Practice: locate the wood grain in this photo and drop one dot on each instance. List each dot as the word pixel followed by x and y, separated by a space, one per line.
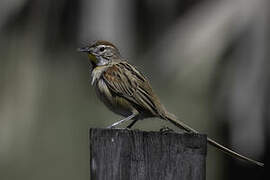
pixel 120 154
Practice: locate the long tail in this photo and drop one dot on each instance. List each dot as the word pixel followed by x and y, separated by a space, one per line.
pixel 233 154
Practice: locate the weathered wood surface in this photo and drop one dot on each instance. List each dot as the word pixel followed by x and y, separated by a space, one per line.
pixel 118 154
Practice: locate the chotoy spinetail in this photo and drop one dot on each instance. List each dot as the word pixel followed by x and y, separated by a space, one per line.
pixel 126 91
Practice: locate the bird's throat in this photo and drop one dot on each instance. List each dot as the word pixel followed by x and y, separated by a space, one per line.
pixel 92 58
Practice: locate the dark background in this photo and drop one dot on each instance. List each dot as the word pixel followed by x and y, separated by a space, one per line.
pixel 207 60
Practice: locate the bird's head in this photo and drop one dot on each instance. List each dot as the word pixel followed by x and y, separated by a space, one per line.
pixel 101 53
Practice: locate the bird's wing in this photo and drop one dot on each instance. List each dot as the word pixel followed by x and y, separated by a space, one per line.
pixel 125 81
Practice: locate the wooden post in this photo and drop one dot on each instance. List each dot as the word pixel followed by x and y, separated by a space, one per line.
pixel 120 154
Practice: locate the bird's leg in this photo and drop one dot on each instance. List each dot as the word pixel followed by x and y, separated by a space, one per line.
pixel 132 123
pixel 121 121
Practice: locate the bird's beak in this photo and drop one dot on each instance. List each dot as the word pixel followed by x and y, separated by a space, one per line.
pixel 83 49
pixel 90 53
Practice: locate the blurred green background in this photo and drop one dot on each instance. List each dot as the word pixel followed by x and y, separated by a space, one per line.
pixel 207 60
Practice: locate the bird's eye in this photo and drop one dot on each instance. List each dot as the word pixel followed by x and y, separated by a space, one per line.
pixel 101 49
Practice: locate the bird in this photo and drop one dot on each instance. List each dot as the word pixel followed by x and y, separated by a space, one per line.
pixel 127 92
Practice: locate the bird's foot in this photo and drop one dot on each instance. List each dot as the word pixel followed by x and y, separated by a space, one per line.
pixel 111 127
pixel 165 130
pixel 115 127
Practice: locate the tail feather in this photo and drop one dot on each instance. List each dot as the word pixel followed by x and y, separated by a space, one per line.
pixel 228 151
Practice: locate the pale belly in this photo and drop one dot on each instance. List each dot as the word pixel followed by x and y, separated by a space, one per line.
pixel 116 104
